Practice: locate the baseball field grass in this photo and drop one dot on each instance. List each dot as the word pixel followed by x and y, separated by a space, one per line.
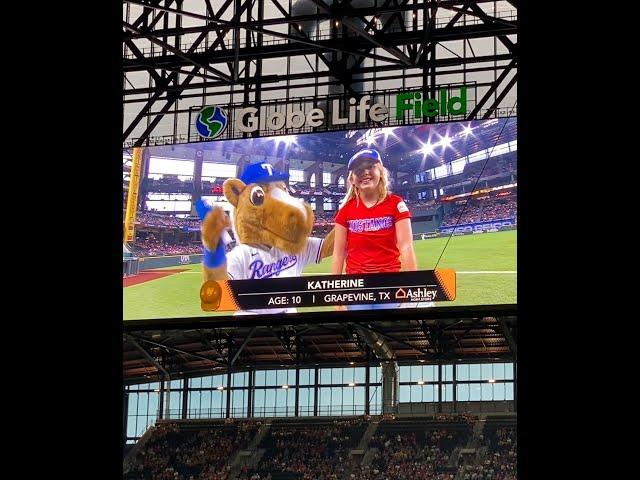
pixel 485 265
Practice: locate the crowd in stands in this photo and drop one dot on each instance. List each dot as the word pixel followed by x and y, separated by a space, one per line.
pixel 169 184
pixel 316 452
pixel 321 451
pixel 500 462
pixel 495 208
pixel 464 417
pixel 172 453
pixel 322 224
pixel 499 209
pixel 153 247
pixel 150 219
pixel 461 214
pixel 413 455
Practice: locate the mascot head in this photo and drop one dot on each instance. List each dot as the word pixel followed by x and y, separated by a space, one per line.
pixel 265 213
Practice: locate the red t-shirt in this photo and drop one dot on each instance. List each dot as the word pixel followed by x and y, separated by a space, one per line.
pixel 371 234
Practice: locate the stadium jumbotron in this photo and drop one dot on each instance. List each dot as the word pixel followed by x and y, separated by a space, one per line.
pixel 420 384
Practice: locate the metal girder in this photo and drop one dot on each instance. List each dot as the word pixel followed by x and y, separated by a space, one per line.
pixel 180 54
pixel 427 32
pixel 205 341
pixel 244 344
pixel 139 55
pixel 499 98
pixel 273 33
pixel 287 345
pixel 174 95
pixel 491 90
pixel 354 27
pixel 160 88
pixel 513 346
pixel 482 16
pixel 143 18
pixel 456 340
pixel 146 355
pixel 209 8
pixel 305 47
pixel 393 339
pixel 274 79
pixel 159 80
pixel 159 17
pixel 287 19
pixel 177 350
pixel 490 20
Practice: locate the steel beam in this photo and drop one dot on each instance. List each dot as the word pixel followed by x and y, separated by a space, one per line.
pixel 146 355
pixel 499 98
pixel 177 350
pixel 244 344
pixel 354 27
pixel 513 346
pixel 491 90
pixel 180 54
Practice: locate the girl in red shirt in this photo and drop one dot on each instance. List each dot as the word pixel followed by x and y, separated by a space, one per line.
pixel 373 226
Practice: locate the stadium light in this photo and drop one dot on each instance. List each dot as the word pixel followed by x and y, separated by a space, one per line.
pixel 420 382
pixel 288 140
pixel 445 142
pixel 492 381
pixel 285 386
pixel 351 384
pixel 467 130
pixel 220 388
pixel 388 132
pixel 425 149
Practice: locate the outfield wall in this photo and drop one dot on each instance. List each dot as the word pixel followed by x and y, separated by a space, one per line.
pixel 147 263
pixel 424 226
pixel 505 223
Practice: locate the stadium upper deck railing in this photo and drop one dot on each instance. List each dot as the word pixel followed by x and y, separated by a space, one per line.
pixel 324 34
pixel 407 408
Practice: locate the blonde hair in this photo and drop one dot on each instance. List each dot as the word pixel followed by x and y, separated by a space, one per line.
pixel 383 186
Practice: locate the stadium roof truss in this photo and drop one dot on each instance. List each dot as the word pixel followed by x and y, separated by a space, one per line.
pixel 183 54
pixel 154 353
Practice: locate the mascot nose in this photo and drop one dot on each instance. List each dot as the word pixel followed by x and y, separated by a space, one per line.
pixel 284 197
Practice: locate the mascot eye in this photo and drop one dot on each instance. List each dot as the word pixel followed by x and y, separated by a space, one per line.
pixel 257 196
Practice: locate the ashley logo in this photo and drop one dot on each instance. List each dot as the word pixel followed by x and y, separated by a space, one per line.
pixel 260 270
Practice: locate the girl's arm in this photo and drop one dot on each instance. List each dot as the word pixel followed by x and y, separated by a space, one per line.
pixel 339 249
pixel 404 239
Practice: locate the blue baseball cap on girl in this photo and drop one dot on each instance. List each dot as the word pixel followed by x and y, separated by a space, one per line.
pixel 367 153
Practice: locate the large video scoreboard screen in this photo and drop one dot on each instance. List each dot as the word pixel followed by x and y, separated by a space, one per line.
pixel 421 216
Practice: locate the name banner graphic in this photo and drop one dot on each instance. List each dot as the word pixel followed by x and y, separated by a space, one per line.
pixel 329 290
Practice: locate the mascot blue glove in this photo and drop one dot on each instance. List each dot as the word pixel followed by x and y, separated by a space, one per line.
pixel 212 258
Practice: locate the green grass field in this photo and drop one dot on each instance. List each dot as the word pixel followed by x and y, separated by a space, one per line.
pixel 485 266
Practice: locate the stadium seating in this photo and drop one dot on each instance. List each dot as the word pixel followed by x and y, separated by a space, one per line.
pixel 414 449
pixel 183 452
pixel 309 450
pixel 499 439
pixel 317 449
pixel 494 208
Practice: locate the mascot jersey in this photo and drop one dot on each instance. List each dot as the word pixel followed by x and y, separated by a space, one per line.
pixel 246 262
